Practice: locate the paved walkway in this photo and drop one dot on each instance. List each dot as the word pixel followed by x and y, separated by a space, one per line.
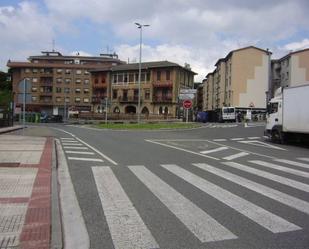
pixel 25 192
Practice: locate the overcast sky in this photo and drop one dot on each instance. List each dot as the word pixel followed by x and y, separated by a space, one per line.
pixel 198 32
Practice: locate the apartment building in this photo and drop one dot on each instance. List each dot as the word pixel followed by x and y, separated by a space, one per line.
pixel 56 81
pixel 290 70
pixel 161 82
pixel 241 79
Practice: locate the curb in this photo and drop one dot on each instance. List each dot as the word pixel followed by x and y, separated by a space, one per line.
pixel 75 234
pixel 9 129
pixel 56 226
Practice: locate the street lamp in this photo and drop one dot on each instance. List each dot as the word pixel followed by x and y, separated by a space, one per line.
pixel 140 26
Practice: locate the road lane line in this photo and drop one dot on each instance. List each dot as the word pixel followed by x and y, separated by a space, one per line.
pixel 213 150
pixel 220 140
pixel 303 165
pixel 91 147
pixel 126 226
pixel 76 147
pixel 85 159
pixel 181 149
pixel 281 168
pixel 255 213
pixel 79 152
pixel 71 144
pixel 203 226
pixel 254 138
pixel 237 139
pixel 274 194
pixel 306 159
pixel 270 176
pixel 240 154
pixel 67 138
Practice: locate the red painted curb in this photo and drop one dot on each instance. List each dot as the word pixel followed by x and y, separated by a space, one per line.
pixel 36 230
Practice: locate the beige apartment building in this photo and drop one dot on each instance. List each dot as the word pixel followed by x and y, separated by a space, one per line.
pixel 161 82
pixel 56 81
pixel 290 70
pixel 241 79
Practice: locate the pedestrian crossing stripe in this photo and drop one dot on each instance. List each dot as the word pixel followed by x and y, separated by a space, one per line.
pixel 293 163
pixel 128 229
pixel 203 226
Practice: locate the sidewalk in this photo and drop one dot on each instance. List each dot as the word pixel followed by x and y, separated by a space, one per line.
pixel 11 128
pixel 25 192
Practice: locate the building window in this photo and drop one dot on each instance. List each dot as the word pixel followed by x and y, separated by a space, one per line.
pixel 148 76
pixel 58 89
pixel 86 100
pixel 34 80
pixel 34 70
pixel 77 90
pixel 115 94
pixel 147 93
pixel 68 81
pixel 67 99
pixel 86 82
pixel 27 70
pixel 143 77
pixel 86 72
pixel 68 71
pixel 78 71
pixel 66 90
pixel 34 98
pixel 114 78
pixel 58 99
pixel 34 89
pixel 103 80
pixel 96 81
pixel 86 90
pixel 158 75
pixel 120 78
pixel 59 71
pixel 131 77
pixel 77 99
pixel 78 81
pixel 59 80
pixel 168 75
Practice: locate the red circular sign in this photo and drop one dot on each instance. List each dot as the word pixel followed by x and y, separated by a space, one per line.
pixel 187 104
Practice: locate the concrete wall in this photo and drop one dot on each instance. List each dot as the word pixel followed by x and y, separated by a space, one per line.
pixel 299 68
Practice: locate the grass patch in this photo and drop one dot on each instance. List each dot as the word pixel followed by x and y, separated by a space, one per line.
pixel 147 126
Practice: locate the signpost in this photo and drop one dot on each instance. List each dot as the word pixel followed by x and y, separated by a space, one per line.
pixel 187 104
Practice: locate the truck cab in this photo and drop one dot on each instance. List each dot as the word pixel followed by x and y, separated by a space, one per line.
pixel 274 118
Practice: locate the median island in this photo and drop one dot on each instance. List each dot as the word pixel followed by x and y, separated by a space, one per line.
pixel 147 126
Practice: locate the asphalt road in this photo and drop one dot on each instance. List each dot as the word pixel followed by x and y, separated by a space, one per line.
pixel 220 186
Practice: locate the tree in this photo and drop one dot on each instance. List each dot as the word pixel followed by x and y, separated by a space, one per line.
pixel 5 89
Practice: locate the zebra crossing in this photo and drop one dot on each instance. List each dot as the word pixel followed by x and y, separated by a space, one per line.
pixel 128 229
pixel 77 151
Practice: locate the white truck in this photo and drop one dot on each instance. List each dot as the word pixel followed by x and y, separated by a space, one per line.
pixel 288 114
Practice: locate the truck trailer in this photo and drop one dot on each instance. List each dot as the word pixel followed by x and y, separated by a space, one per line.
pixel 288 114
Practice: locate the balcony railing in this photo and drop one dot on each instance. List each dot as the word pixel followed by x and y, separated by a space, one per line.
pixel 99 85
pixel 128 99
pixel 162 99
pixel 162 84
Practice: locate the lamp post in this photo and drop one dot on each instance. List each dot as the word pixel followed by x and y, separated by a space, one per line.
pixel 140 26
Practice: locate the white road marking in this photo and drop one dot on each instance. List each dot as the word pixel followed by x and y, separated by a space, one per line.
pixel 177 148
pixel 251 138
pixel 126 226
pixel 261 144
pixel 306 159
pixel 67 138
pixel 75 147
pixel 281 168
pixel 237 139
pixel 214 150
pixel 259 215
pixel 240 154
pixel 91 147
pixel 276 195
pixel 270 176
pixel 203 226
pixel 79 152
pixel 71 144
pixel 303 165
pixel 220 140
pixel 85 159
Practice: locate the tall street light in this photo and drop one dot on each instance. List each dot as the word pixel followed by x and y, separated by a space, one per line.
pixel 140 26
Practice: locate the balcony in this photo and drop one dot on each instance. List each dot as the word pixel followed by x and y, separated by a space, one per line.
pixel 158 84
pixel 162 99
pixel 129 99
pixel 98 98
pixel 99 86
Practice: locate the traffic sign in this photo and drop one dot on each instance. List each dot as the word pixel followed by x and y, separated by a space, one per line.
pixel 187 104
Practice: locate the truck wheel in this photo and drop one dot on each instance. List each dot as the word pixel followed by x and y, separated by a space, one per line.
pixel 277 136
